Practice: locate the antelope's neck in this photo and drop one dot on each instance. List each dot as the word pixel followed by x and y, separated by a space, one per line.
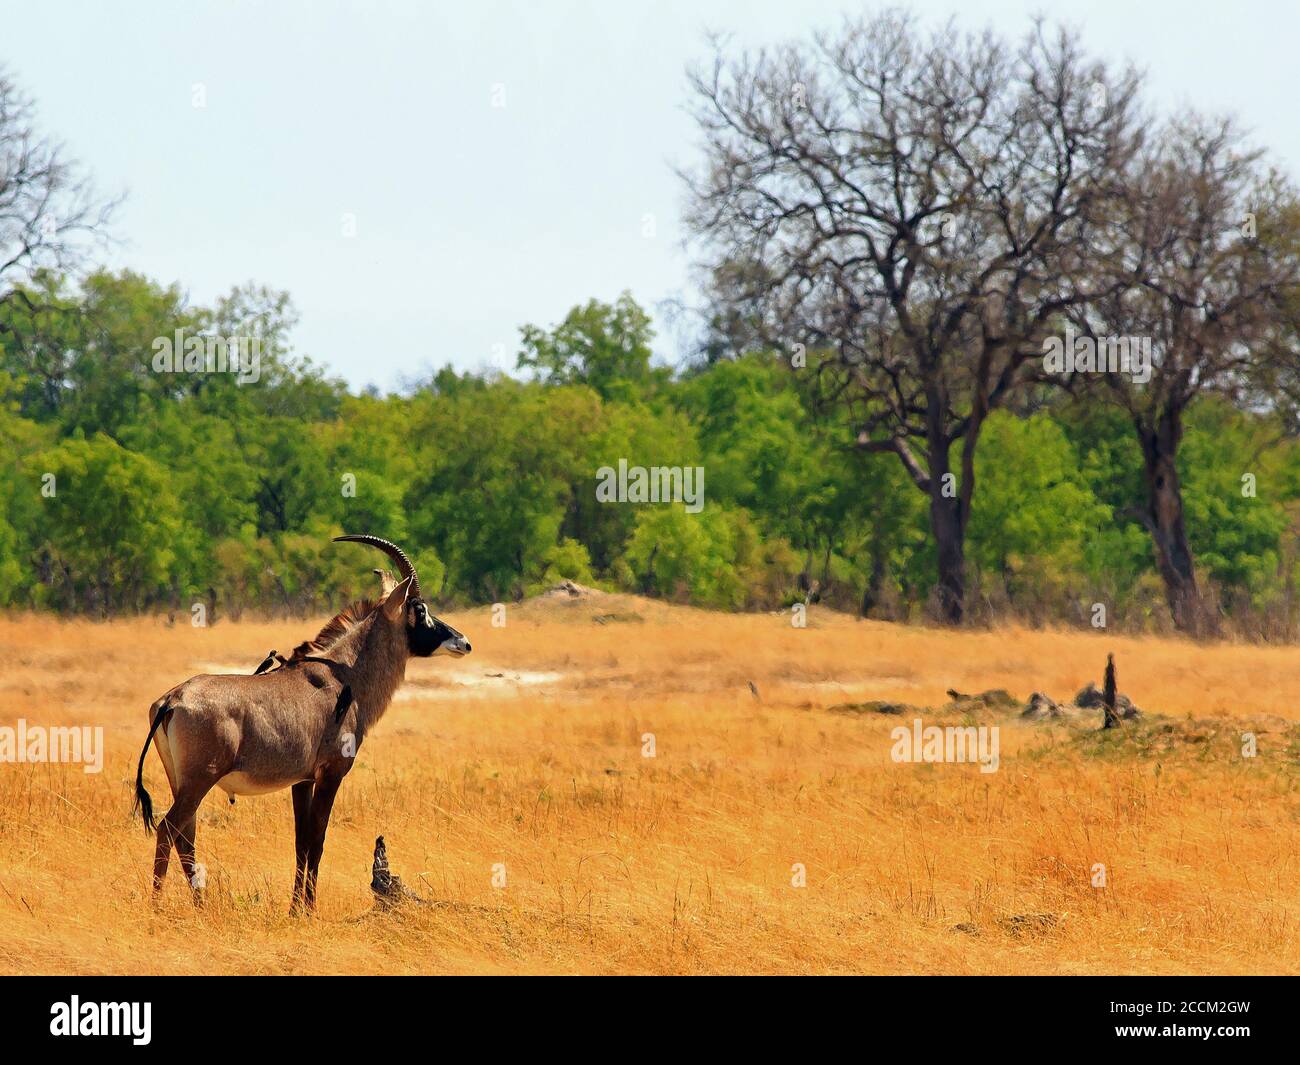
pixel 378 660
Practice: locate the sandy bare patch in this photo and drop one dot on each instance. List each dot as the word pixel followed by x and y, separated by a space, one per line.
pixel 488 681
pixel 478 684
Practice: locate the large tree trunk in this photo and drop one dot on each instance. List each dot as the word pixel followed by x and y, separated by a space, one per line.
pixel 949 502
pixel 1164 520
pixel 950 540
pixel 874 593
pixel 948 505
pixel 946 519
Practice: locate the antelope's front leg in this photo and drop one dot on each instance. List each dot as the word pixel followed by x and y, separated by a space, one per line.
pixel 301 838
pixel 322 802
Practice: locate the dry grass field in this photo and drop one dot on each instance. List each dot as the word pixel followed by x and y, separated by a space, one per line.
pixel 528 755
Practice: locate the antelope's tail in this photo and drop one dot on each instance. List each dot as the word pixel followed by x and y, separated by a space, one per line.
pixel 143 802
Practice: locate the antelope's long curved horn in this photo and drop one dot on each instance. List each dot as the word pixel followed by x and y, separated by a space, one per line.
pixel 394 552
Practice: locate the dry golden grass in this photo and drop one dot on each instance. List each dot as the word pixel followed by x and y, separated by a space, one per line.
pixel 680 863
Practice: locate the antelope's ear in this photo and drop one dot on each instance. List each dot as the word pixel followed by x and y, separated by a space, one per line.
pixel 386 582
pixel 396 601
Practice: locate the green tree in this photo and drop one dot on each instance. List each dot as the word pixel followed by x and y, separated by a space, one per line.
pixel 109 523
pixel 707 558
pixel 501 470
pixel 601 345
pixel 1035 532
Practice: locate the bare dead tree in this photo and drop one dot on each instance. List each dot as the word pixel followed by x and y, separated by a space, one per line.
pixel 1209 263
pixel 917 208
pixel 47 207
pixel 49 216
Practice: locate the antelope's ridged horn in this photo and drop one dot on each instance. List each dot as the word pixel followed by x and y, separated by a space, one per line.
pixel 394 552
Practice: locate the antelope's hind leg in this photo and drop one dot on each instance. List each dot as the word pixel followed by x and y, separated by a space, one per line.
pixel 162 854
pixel 185 852
pixel 177 828
pixel 163 833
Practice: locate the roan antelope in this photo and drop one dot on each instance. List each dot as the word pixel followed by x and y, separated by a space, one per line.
pixel 297 726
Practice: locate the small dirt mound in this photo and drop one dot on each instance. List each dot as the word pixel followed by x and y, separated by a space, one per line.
pixel 1016 924
pixel 570 590
pixel 1091 698
pixel 993 698
pixel 626 617
pixel 875 706
pixel 1028 924
pixel 1042 708
pixel 993 702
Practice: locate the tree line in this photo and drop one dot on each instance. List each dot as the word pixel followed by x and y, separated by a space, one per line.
pixel 129 490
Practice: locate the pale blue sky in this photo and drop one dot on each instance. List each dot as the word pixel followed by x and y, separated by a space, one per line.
pixel 472 220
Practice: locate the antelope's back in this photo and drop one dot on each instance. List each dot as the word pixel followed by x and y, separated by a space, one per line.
pixel 309 682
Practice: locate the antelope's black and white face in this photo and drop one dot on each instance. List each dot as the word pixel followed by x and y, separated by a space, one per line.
pixel 429 636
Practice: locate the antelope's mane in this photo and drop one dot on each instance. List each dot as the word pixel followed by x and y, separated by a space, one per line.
pixel 335 629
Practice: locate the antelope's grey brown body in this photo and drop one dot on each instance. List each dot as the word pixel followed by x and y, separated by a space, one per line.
pixel 298 726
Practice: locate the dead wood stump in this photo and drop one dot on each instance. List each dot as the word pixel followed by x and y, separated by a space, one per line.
pixel 388 888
